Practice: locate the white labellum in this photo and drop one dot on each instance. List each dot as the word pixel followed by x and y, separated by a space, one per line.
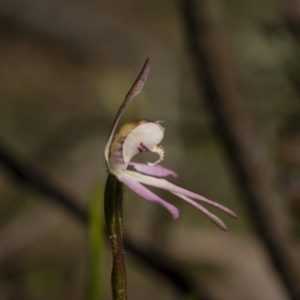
pixel 135 137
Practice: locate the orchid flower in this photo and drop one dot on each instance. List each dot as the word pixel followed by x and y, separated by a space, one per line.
pixel 144 136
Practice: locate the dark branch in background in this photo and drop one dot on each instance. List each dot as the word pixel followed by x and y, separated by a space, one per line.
pixel 291 13
pixel 290 130
pixel 290 10
pixel 34 178
pixel 215 72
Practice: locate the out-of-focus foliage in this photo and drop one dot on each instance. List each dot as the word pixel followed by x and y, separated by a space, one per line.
pixel 96 242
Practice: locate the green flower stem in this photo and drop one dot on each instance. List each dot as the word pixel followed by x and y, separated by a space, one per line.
pixel 113 200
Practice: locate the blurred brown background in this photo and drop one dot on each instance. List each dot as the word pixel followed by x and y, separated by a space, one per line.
pixel 65 67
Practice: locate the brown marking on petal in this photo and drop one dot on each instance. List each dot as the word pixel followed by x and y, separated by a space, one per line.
pixel 139 122
pixel 120 143
pixel 144 147
pixel 116 146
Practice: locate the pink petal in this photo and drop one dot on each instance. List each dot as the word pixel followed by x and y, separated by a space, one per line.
pixel 148 195
pixel 155 170
pixel 164 184
pixel 208 214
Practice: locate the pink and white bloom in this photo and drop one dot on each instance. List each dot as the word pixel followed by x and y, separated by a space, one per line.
pixel 141 136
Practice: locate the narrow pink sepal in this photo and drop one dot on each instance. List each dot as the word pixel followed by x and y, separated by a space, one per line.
pixel 155 170
pixel 164 184
pixel 216 220
pixel 147 194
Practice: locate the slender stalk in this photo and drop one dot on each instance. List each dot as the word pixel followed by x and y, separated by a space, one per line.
pixel 113 200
